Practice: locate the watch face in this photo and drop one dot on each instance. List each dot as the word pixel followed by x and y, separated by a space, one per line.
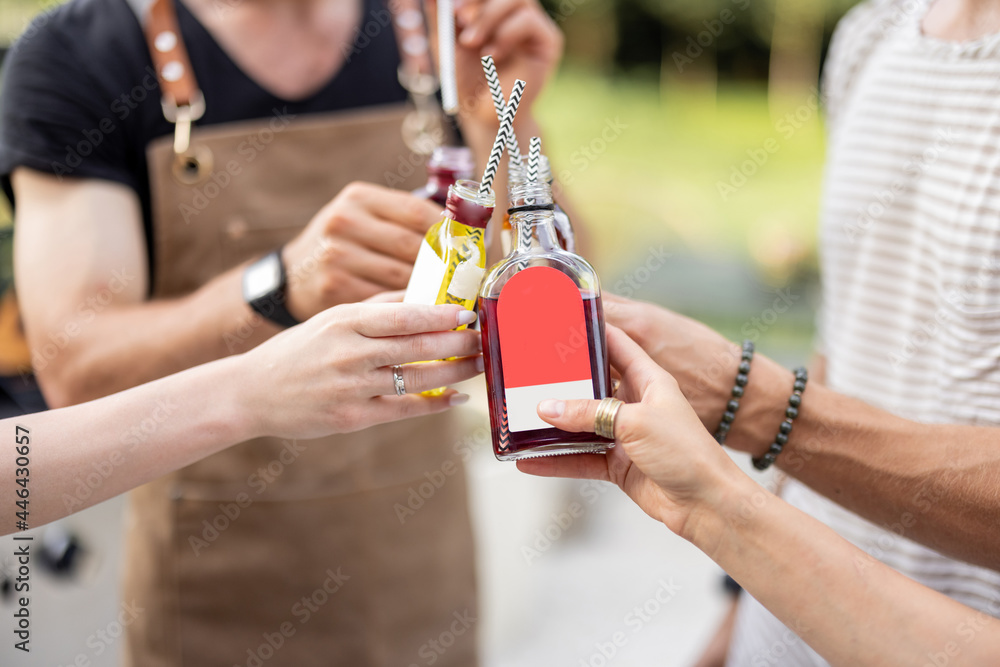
pixel 262 278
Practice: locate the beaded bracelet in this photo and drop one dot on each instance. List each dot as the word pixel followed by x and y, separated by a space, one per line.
pixel 742 375
pixel 791 412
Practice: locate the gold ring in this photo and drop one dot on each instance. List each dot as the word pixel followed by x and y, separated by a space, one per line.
pixel 604 418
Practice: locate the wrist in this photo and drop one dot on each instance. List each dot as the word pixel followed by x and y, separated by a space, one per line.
pixel 728 498
pixel 762 407
pixel 242 400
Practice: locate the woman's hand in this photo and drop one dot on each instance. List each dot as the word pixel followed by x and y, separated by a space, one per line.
pixel 664 458
pixel 333 373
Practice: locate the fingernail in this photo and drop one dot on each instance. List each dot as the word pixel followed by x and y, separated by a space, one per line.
pixel 480 364
pixel 550 408
pixel 458 399
pixel 479 343
pixel 466 317
pixel 468 37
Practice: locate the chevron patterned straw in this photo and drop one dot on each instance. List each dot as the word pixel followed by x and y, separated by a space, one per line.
pixel 496 91
pixel 506 128
pixel 534 159
pixel 446 56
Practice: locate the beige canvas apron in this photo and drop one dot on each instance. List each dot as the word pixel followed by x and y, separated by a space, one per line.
pixel 279 553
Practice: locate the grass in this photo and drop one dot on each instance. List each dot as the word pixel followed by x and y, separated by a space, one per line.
pixel 658 181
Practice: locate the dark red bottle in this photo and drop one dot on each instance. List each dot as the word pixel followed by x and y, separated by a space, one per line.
pixel 446 166
pixel 543 334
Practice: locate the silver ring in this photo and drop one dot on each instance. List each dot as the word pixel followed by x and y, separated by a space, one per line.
pixel 397 380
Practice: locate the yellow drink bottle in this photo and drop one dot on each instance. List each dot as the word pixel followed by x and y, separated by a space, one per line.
pixel 451 262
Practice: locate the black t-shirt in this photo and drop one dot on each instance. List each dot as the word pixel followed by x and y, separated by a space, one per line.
pixel 80 98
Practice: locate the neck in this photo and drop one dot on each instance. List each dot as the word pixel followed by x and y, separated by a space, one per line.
pixel 534 230
pixel 962 20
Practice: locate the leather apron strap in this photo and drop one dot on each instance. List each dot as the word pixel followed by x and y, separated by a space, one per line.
pixel 335 544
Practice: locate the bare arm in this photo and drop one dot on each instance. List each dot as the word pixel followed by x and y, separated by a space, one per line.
pixel 80 263
pixel 935 484
pixel 82 278
pixel 850 609
pixel 325 376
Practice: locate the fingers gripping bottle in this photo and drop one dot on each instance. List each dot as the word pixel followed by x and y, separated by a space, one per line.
pixel 543 334
pixel 452 258
pixel 446 166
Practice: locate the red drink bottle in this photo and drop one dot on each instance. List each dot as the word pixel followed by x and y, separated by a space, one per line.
pixel 446 166
pixel 543 333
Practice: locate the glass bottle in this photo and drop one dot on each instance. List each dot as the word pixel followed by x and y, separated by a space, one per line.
pixel 543 334
pixel 446 166
pixel 451 261
pixel 516 175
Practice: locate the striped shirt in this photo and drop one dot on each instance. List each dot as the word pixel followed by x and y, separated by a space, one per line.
pixel 910 250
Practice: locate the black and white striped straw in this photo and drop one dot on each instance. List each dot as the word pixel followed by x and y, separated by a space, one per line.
pixel 534 159
pixel 446 56
pixel 496 92
pixel 506 127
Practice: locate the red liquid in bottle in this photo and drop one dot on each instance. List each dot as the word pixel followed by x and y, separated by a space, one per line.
pixel 507 444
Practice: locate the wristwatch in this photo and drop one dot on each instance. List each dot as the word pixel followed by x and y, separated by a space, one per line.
pixel 264 289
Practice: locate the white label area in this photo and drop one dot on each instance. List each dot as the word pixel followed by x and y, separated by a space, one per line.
pixel 428 274
pixel 522 402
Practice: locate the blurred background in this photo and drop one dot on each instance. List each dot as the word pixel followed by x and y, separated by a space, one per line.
pixel 688 136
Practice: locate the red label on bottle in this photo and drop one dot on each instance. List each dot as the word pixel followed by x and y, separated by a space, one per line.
pixel 543 343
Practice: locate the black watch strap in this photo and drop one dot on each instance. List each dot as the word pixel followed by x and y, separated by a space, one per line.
pixel 271 305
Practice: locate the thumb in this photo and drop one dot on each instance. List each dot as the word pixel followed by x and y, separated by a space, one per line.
pixel 575 416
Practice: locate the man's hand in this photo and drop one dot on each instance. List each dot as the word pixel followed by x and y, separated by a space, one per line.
pixel 524 42
pixel 704 364
pixel 361 243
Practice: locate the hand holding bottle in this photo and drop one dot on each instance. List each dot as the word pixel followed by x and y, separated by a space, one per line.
pixel 363 242
pixel 664 460
pixel 333 373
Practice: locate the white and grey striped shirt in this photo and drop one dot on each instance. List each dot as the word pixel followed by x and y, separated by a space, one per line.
pixel 910 246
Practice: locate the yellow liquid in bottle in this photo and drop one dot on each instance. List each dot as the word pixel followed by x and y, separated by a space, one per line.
pixel 462 250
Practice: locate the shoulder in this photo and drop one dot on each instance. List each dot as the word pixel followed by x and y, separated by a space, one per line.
pixel 857 35
pixel 93 43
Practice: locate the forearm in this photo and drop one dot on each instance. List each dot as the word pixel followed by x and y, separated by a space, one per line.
pixel 848 607
pixel 124 346
pixel 85 454
pixel 935 484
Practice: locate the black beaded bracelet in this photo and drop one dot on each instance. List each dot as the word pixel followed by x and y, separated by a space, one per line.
pixel 742 376
pixel 791 412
